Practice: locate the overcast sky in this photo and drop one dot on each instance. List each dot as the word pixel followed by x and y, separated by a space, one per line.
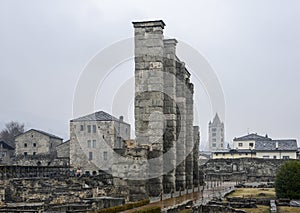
pixel 252 45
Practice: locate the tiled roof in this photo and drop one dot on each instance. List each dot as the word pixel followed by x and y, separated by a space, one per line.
pixel 284 145
pixel 42 132
pixel 98 116
pixel 252 137
pixel 232 151
pixel 6 145
pixel 48 134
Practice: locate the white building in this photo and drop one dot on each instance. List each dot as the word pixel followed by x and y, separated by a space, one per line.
pixel 256 146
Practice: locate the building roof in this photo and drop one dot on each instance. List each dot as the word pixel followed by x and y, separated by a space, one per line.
pixel 6 145
pixel 252 137
pixel 42 132
pixel 232 151
pixel 283 145
pixel 216 120
pixel 98 116
pixel 64 143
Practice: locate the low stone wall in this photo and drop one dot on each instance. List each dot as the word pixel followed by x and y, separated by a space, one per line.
pixel 242 169
pixel 215 209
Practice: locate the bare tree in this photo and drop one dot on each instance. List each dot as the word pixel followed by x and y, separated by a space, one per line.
pixel 11 130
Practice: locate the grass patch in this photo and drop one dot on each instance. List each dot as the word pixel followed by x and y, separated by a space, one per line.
pixel 287 209
pixel 254 193
pixel 259 209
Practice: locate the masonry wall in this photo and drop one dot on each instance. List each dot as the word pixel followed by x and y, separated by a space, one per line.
pixel 196 137
pixel 247 169
pixel 180 126
pixel 163 109
pixel 63 150
pixel 189 133
pixel 33 142
pixel 149 97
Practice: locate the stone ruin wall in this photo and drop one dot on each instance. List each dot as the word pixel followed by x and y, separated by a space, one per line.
pixel 164 110
pixel 242 169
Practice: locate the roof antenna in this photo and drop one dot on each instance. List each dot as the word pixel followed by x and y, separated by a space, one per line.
pixel 248 131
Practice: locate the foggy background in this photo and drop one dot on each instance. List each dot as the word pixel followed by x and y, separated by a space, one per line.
pixel 253 47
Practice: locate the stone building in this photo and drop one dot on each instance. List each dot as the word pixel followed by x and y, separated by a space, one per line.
pixel 93 139
pixel 36 142
pixel 6 153
pixel 257 146
pixel 164 110
pixel 216 134
pixel 63 150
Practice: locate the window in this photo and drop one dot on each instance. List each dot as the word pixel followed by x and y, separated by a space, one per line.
pixel 103 136
pixel 3 154
pixel 285 157
pixel 94 143
pixel 25 153
pixel 216 154
pixel 266 156
pixel 274 156
pixel 214 140
pixel 90 155
pixel 126 130
pixel 81 128
pixel 214 134
pixel 34 144
pixel 89 144
pixel 251 144
pixel 214 129
pixel 105 155
pixel 34 153
pixel 240 144
pixel 246 154
pixel 221 145
pixel 94 128
pixel 222 139
pixel 25 144
pixel 89 128
pixel 214 145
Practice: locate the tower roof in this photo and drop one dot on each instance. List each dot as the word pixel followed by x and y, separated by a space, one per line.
pixel 216 119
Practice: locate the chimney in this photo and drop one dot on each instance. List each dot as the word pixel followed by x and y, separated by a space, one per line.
pixel 276 145
pixel 121 118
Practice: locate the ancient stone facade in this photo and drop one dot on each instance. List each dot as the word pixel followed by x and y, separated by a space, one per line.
pixel 36 142
pixel 92 141
pixel 63 150
pixel 243 169
pixel 163 110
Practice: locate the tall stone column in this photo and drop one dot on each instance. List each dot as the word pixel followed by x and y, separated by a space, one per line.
pixel 169 145
pixel 149 97
pixel 180 126
pixel 189 133
pixel 196 155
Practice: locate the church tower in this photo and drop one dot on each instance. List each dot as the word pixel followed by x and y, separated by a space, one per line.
pixel 216 134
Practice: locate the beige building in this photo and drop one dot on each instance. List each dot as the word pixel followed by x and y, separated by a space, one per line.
pixel 216 134
pixel 256 146
pixel 93 139
pixel 34 142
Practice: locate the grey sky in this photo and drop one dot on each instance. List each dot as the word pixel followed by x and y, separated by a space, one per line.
pixel 252 45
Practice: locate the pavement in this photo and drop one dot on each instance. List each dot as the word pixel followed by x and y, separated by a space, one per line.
pixel 200 196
